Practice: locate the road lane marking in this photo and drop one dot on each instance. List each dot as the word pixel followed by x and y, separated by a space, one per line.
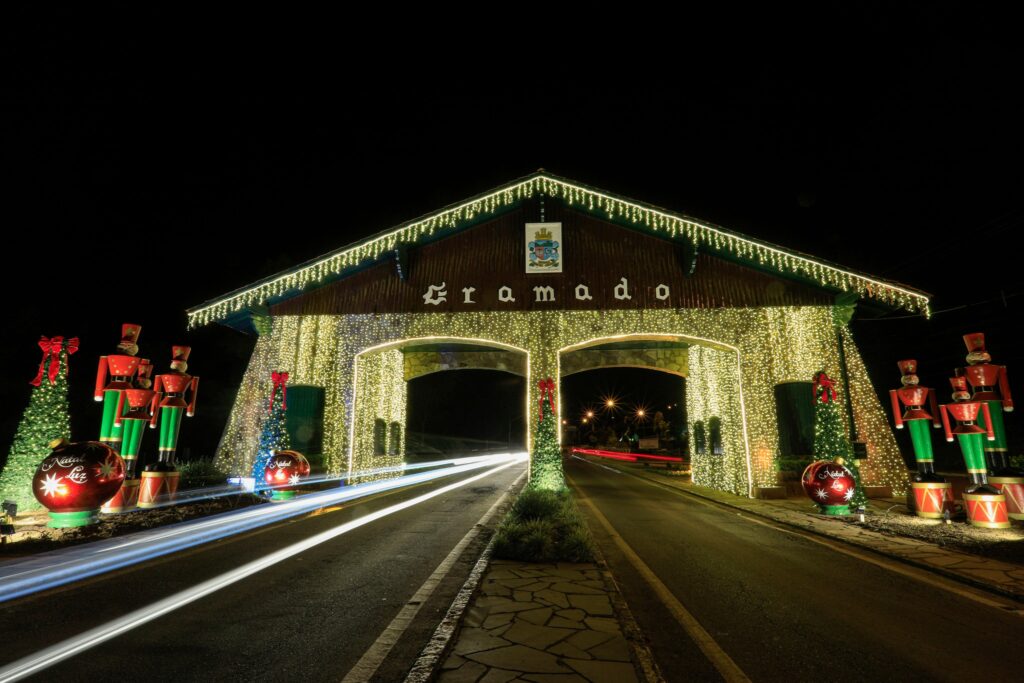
pixel 729 670
pixel 896 566
pixel 47 657
pixel 374 656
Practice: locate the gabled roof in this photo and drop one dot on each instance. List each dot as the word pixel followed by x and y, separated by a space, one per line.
pixel 703 235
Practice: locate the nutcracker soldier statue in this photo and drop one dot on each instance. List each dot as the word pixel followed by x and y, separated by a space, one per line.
pixel 990 385
pixel 986 506
pixel 121 368
pixel 932 494
pixel 161 478
pixel 141 403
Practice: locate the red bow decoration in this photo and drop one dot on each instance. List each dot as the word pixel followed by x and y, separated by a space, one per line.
pixel 547 388
pixel 51 349
pixel 825 383
pixel 279 379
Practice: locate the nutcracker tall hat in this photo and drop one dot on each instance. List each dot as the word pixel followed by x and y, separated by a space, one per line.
pixel 130 333
pixel 907 367
pixel 959 384
pixel 145 370
pixel 975 342
pixel 180 353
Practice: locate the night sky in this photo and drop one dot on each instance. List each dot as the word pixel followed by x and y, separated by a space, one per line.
pixel 154 161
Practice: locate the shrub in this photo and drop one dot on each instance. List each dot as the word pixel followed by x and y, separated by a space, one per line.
pixel 544 526
pixel 537 504
pixel 198 473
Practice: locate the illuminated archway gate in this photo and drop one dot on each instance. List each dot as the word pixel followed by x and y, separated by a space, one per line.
pixel 757 315
pixel 740 356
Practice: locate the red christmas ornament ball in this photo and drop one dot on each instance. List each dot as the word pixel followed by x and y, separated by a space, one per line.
pixel 303 463
pixel 828 483
pixel 286 468
pixel 77 477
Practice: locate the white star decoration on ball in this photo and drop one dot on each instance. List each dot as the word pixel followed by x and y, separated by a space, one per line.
pixel 821 493
pixel 51 485
pixel 294 479
pixel 849 494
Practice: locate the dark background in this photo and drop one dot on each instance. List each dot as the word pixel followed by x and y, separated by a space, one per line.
pixel 155 160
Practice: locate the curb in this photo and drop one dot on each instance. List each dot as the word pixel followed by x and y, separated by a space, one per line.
pixel 630 628
pixel 430 658
pixel 960 578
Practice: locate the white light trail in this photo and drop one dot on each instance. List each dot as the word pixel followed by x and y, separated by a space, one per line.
pixel 72 646
pixel 49 570
pixel 233 489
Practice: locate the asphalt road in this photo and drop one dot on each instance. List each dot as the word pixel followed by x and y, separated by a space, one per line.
pixel 309 618
pixel 783 607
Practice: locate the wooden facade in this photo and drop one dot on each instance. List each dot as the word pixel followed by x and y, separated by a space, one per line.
pixel 598 254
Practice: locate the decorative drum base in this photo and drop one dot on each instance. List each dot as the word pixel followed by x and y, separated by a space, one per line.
pixel 157 487
pixel 64 520
pixel 1013 489
pixel 125 499
pixel 987 510
pixel 834 509
pixel 282 495
pixel 932 498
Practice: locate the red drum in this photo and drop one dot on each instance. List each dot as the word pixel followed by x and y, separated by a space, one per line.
pixel 987 510
pixel 157 487
pixel 1013 489
pixel 933 498
pixel 125 499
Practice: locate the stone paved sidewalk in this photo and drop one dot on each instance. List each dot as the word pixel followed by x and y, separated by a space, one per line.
pixel 550 623
pixel 1002 577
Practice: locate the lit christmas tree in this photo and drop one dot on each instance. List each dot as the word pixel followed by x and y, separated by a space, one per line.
pixel 546 463
pixel 830 440
pixel 46 418
pixel 274 436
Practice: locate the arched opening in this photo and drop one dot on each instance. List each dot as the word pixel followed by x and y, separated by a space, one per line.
pixel 476 410
pixel 716 438
pixel 639 409
pixel 466 411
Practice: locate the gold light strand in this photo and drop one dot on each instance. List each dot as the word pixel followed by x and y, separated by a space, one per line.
pixel 658 221
pixel 380 395
pixel 885 465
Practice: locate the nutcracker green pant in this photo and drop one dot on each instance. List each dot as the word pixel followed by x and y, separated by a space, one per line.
pixel 133 433
pixel 109 434
pixel 132 444
pixel 921 439
pixel 170 423
pixel 995 409
pixel 974 452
